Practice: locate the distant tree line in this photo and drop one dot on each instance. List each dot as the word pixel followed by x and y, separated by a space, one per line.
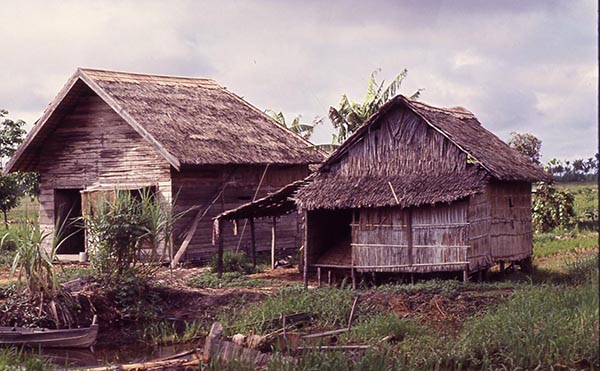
pixel 578 170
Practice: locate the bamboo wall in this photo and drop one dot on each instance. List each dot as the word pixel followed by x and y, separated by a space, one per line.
pixel 425 239
pixel 200 185
pixel 93 145
pixel 410 148
pixel 511 230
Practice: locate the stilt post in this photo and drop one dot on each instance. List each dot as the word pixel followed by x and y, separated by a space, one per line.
pixel 253 238
pixel 273 237
pixel 220 252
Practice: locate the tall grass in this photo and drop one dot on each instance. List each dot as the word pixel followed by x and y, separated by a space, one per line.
pixel 12 358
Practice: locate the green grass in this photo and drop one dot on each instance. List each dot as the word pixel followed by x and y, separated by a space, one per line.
pixel 27 209
pixel 547 244
pixel 227 280
pixel 332 306
pixel 12 358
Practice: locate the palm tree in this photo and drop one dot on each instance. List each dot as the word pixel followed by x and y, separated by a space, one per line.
pixel 351 115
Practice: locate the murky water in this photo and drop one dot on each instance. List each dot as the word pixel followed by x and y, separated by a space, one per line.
pixel 101 356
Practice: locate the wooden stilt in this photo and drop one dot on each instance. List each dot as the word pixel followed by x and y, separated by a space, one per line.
pixel 319 276
pixel 220 252
pixel 273 235
pixel 480 275
pixel 329 277
pixel 465 275
pixel 305 260
pixel 253 238
pixel 353 273
pixel 412 278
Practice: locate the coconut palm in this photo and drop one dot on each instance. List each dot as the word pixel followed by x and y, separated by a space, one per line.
pixel 349 116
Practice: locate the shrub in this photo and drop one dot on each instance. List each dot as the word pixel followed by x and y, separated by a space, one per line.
pixel 126 232
pixel 552 207
pixel 233 261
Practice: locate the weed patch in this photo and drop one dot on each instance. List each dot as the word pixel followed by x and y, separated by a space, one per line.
pixel 227 280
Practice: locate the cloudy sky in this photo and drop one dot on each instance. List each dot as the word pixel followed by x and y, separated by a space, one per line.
pixel 524 66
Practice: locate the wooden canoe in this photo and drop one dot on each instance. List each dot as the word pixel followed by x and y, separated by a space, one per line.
pixel 67 338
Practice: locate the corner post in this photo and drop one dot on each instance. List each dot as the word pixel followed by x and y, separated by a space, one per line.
pixel 273 237
pixel 220 252
pixel 305 257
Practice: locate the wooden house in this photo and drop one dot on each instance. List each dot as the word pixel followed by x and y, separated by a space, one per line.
pixel 416 189
pixel 190 140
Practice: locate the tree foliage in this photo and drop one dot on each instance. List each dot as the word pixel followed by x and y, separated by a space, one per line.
pixel 349 115
pixel 14 185
pixel 581 169
pixel 551 208
pixel 303 129
pixel 527 144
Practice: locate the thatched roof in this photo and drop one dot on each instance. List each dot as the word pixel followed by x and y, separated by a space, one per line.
pixel 463 129
pixel 489 158
pixel 332 191
pixel 190 121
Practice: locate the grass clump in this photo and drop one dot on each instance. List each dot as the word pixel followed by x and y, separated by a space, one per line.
pixel 169 332
pixel 227 280
pixel 372 329
pixel 331 305
pixel 12 358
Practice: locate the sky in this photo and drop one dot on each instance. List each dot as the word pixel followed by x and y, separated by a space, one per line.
pixel 518 65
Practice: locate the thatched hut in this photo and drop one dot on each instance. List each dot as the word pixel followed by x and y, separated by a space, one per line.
pixel 417 189
pixel 190 140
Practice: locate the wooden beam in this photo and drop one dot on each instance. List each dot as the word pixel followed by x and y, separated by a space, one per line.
pixel 220 252
pixel 409 237
pixel 273 239
pixel 253 238
pixel 305 247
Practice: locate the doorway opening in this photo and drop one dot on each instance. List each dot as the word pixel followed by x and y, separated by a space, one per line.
pixel 67 215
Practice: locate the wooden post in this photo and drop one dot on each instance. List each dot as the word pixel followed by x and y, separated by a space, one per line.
pixel 273 235
pixel 480 275
pixel 466 275
pixel 409 238
pixel 253 238
pixel 319 276
pixel 305 265
pixel 329 277
pixel 220 252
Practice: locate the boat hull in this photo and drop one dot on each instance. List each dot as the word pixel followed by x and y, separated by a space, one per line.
pixel 68 338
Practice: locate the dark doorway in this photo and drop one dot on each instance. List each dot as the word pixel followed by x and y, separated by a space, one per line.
pixel 330 235
pixel 67 210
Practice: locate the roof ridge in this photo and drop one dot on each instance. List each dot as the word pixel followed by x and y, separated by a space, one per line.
pixel 94 72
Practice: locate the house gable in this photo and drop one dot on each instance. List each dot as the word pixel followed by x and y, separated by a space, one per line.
pixel 93 145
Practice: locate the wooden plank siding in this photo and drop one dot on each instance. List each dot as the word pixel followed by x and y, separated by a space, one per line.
pixel 93 146
pixel 200 185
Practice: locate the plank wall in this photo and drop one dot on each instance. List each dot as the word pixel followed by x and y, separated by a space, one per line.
pixel 93 145
pixel 201 185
